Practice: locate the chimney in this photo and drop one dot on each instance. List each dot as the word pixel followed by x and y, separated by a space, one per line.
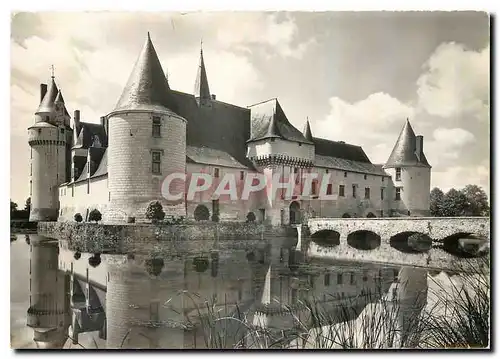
pixel 43 91
pixel 105 124
pixel 76 121
pixel 213 97
pixel 419 148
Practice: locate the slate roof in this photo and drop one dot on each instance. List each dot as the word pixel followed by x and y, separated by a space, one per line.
pixel 210 156
pixel 221 126
pixel 147 87
pixel 404 151
pixel 339 149
pixel 87 134
pixel 47 103
pixel 103 166
pixel 348 165
pixel 268 120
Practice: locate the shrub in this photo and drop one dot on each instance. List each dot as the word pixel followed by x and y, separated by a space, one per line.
pixel 200 264
pixel 251 217
pixel 95 215
pixel 95 260
pixel 154 266
pixel 78 217
pixel 77 255
pixel 201 213
pixel 215 217
pixel 154 212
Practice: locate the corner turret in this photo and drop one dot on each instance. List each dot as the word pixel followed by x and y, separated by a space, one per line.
pixel 307 131
pixel 411 174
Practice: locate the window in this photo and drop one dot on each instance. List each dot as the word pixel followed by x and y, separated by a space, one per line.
pixel 296 170
pixel 156 162
pixel 381 213
pixel 293 295
pixel 345 174
pixel 365 277
pixel 313 189
pixel 354 190
pixel 39 131
pixel 367 193
pixel 272 139
pixel 242 175
pixel 327 279
pixel 216 172
pixel 326 170
pixel 352 278
pixel 339 278
pixel 341 190
pixel 156 126
pixel 300 144
pixel 383 178
pixel 329 189
pixel 366 176
pixel 382 193
pixel 398 193
pixel 31 187
pixel 62 130
pixel 398 174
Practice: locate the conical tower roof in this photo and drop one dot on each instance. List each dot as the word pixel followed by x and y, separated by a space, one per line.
pixel 307 131
pixel 201 89
pixel 147 87
pixel 47 104
pixel 404 151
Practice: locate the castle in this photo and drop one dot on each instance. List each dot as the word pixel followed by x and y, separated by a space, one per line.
pixel 118 166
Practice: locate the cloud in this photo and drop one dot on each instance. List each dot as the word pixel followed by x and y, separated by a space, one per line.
pixel 456 82
pixel 362 122
pixel 452 88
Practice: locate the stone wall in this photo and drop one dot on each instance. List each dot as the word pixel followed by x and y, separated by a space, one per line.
pixel 169 239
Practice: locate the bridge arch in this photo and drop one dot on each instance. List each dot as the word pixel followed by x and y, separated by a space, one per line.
pixel 370 215
pixel 465 244
pixel 364 240
pixel 346 215
pixel 326 238
pixel 411 242
pixel 201 213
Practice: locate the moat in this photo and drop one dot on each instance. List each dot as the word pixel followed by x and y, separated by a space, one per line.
pixel 199 298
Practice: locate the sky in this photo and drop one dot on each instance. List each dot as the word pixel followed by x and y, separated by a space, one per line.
pixel 356 76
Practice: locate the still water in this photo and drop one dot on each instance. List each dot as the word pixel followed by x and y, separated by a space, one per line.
pixel 138 302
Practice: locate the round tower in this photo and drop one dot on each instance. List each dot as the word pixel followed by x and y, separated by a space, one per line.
pixel 411 175
pixel 147 141
pixel 48 313
pixel 48 139
pixel 138 301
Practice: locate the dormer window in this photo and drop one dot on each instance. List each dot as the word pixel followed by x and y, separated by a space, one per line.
pixel 156 126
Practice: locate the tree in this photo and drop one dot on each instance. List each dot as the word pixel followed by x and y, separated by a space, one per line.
pixel 13 207
pixel 27 205
pixel 455 204
pixel 477 200
pixel 436 204
pixel 95 215
pixel 78 217
pixel 154 212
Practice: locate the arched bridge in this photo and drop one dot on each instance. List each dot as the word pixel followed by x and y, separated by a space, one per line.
pixel 434 242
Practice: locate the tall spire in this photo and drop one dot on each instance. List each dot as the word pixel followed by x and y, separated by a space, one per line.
pixel 201 89
pixel 404 152
pixel 147 87
pixel 307 131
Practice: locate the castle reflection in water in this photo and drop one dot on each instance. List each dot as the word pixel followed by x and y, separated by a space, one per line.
pixel 139 301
